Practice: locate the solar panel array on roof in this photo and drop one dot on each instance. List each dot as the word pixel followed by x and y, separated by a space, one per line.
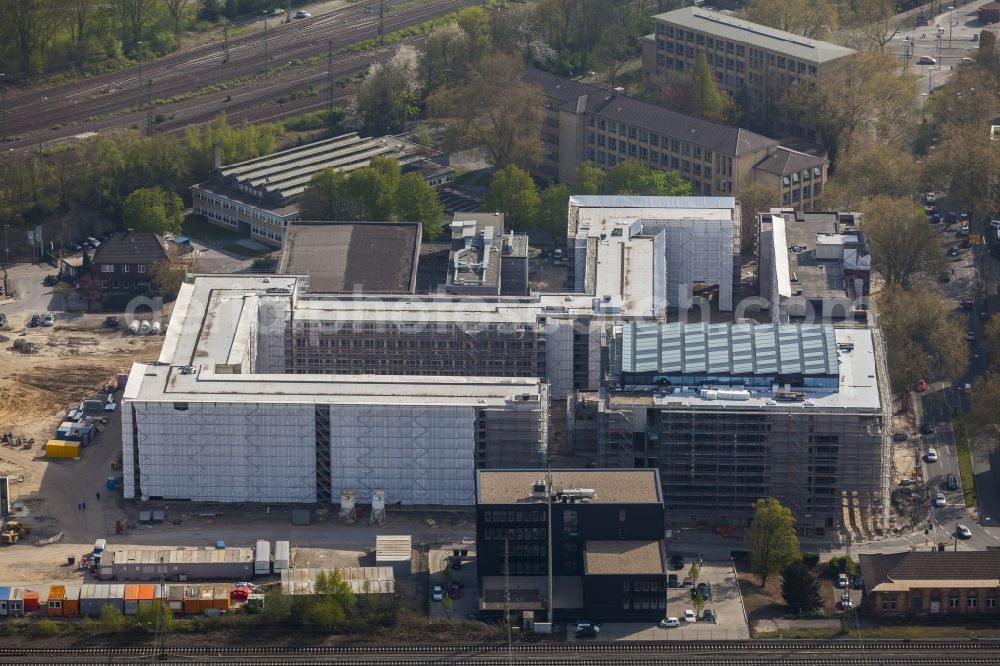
pixel 729 349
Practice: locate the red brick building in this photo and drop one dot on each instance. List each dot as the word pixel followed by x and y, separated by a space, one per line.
pixel 931 583
pixel 124 262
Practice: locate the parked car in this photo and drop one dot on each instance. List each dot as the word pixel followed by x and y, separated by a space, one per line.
pixel 672 581
pixel 437 594
pixel 49 319
pixel 74 247
pixel 544 254
pixel 963 388
pixel 926 428
pixel 277 11
pixel 921 385
pixel 94 243
pixel 455 590
pixel 50 280
pixel 670 623
pixel 708 615
pixel 859 583
pixel 302 14
pixel 704 589
pixel 35 321
pixel 689 616
pixel 845 602
pixel 3 320
pixel 688 582
pixel 963 532
pixel 842 580
pixel 939 500
pixel 935 217
pixel 677 561
pixel 932 455
pixel 456 563
pixel 970 336
pixel 967 303
pixel 964 231
pixel 952 482
pixel 899 437
pixel 926 60
pixel 111 322
pixel 586 632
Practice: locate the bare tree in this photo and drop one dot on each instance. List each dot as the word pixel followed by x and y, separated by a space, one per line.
pixel 31 24
pixel 903 245
pixel 132 18
pixel 176 10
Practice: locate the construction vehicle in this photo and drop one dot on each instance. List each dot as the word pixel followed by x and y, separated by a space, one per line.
pixel 13 531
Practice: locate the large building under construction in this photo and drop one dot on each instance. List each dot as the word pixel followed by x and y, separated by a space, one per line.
pixel 730 413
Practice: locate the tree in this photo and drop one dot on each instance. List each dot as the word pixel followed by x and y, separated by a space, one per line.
pixel 133 16
pixel 513 193
pixel 903 245
pixel 982 422
pixel 872 24
pixel 326 198
pixel 153 209
pixel 694 573
pixel 870 168
pixel 64 290
pixel 754 197
pixel 446 604
pixel 922 337
pixel 865 91
pixel 112 620
pixel 32 23
pixel 334 600
pixel 771 539
pixel 495 110
pixel 445 56
pixel 800 589
pixel 613 49
pixel 475 23
pixel 374 188
pixel 589 179
pixel 629 177
pixel 552 210
pixel 698 601
pixel 90 288
pixel 387 97
pixel 176 10
pixel 417 201
pixel 991 341
pixel 967 167
pixel 168 276
pixel 809 18
pixel 708 102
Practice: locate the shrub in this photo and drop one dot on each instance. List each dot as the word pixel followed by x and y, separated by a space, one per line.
pixel 841 564
pixel 45 628
pixel 810 559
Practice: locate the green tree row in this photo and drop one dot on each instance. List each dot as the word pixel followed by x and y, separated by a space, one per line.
pixel 514 193
pixel 377 192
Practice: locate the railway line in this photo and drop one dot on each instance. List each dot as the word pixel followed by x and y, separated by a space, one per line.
pixel 115 100
pixel 711 653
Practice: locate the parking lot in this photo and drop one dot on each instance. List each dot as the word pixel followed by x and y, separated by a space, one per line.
pixel 443 573
pixel 725 603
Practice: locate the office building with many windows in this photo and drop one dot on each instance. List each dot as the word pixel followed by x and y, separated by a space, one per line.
pixel 764 61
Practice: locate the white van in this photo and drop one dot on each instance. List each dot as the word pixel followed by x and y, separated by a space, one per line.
pixel 99 546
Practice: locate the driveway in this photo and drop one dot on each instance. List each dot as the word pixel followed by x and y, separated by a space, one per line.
pixel 28 294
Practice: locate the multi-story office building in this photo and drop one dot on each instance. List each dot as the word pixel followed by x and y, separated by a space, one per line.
pixel 730 413
pixel 742 55
pixel 260 196
pixel 587 123
pixel 606 539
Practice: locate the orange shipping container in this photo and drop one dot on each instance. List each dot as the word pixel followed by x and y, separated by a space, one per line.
pixel 146 595
pixel 71 602
pixel 55 603
pixel 30 601
pixel 192 600
pixel 221 600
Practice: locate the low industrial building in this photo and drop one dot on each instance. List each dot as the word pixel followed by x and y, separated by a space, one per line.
pixel 394 551
pixel 361 580
pixel 935 584
pixel 606 540
pixel 178 564
pixel 729 413
pixel 814 266
pixel 260 196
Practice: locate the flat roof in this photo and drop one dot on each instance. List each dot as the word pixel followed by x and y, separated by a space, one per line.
pixel 353 257
pixel 857 386
pixel 761 36
pixel 799 235
pixel 611 486
pixel 623 557
pixel 361 580
pixel 206 555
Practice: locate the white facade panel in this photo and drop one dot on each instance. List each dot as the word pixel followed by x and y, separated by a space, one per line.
pixel 417 454
pixel 227 452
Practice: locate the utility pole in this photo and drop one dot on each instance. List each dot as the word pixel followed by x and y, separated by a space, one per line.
pixel 506 601
pixel 549 489
pixel 381 22
pixel 225 43
pixel 265 44
pixel 161 619
pixel 138 45
pixel 3 107
pixel 329 73
pixel 149 107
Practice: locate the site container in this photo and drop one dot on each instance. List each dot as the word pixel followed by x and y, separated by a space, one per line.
pixel 192 600
pixel 4 596
pixel 57 448
pixel 262 559
pixel 30 601
pixel 220 597
pixel 15 602
pixel 281 555
pixel 147 595
pixel 131 599
pixel 75 432
pixel 116 596
pixel 55 601
pixel 71 601
pixel 175 599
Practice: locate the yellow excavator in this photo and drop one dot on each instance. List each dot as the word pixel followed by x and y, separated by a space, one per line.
pixel 13 532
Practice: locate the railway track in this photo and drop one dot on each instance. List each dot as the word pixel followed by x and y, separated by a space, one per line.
pixel 113 101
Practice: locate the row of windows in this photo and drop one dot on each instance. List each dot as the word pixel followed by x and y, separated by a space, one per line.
pixel 917 602
pixel 652 138
pixel 123 284
pixel 515 533
pixel 644 603
pixel 514 516
pixel 524 550
pixel 110 268
pixel 756 55
pixel 523 568
pixel 806 175
pixel 218 217
pixel 226 204
pixel 266 233
pixel 799 195
pixel 644 586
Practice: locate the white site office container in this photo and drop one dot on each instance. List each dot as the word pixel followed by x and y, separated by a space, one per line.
pixel 281 555
pixel 262 561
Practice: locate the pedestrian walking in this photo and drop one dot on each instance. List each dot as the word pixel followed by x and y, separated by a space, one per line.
pixel 84 506
pixel 98 496
pixel 77 506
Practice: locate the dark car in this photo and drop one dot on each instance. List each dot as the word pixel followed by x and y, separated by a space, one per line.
pixel 677 561
pixel 709 616
pixel 74 247
pixel 111 322
pixel 456 563
pixel 672 581
pixel 926 428
pixel 544 254
pixel 704 589
pixel 952 251
pixel 586 632
pixel 935 218
pixel 952 482
pixel 859 583
pixel 455 590
pixel 35 321
pixel 50 280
